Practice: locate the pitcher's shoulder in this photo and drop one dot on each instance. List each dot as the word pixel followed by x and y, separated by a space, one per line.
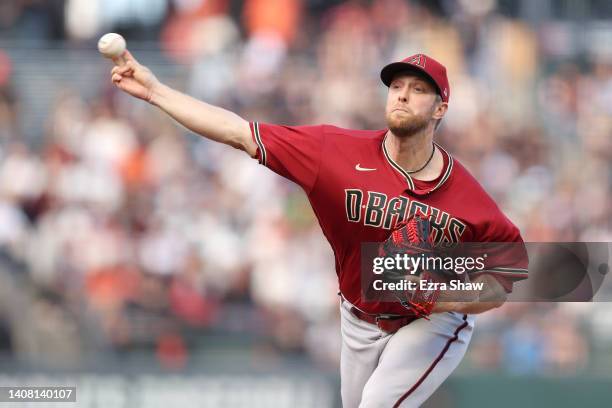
pixel 465 185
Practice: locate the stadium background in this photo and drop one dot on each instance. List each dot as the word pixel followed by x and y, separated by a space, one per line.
pixel 148 266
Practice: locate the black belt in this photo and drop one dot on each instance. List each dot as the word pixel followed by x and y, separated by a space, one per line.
pixel 389 324
pixel 386 323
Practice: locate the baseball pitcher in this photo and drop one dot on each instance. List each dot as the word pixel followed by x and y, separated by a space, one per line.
pixel 394 186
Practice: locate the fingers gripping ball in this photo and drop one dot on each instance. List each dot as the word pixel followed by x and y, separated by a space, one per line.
pixel 112 46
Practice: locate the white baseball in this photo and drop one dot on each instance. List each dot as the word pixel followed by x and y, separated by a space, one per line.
pixel 111 45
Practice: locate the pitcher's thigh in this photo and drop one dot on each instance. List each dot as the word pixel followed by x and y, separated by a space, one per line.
pixel 416 361
pixel 362 345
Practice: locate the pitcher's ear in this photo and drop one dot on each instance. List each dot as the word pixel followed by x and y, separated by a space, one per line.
pixel 440 110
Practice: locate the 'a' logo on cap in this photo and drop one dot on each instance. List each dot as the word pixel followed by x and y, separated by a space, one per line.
pixel 418 59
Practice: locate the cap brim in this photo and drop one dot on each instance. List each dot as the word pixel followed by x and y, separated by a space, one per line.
pixel 389 71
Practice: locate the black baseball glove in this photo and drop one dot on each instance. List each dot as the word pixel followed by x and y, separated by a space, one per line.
pixel 413 238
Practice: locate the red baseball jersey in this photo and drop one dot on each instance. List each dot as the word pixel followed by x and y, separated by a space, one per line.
pixel 358 194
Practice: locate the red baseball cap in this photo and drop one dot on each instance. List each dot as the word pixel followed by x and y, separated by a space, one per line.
pixel 432 69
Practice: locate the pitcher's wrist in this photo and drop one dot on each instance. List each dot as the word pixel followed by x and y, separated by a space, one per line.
pixel 156 93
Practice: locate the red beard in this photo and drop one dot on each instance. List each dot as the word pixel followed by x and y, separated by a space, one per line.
pixel 406 124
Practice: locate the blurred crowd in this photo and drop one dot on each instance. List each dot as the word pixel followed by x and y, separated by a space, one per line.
pixel 131 234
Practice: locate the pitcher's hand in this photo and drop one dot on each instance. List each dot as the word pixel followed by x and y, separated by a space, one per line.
pixel 134 78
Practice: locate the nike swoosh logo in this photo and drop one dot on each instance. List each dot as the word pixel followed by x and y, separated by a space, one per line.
pixel 359 168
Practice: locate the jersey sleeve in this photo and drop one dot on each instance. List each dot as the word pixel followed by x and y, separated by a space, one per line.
pixel 294 152
pixel 506 256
